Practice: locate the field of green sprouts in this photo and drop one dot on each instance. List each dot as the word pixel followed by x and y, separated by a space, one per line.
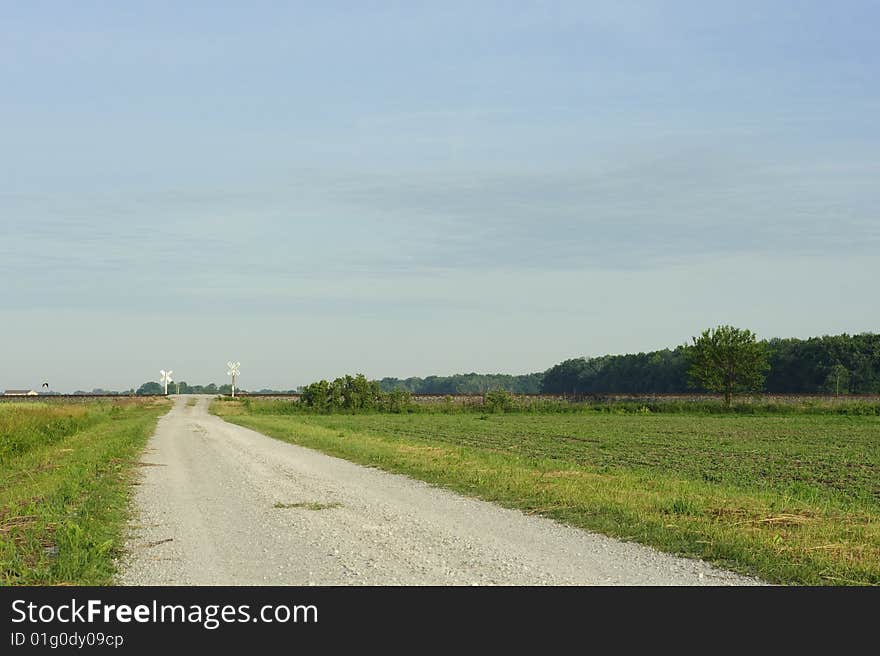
pixel 793 498
pixel 64 474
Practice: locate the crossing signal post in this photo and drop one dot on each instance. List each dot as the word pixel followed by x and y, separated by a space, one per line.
pixel 234 370
pixel 165 378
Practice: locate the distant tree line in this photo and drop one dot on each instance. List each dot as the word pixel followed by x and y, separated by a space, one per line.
pixel 465 384
pixel 654 372
pixel 725 360
pixel 844 364
pixel 848 363
pixel 832 364
pixel 152 388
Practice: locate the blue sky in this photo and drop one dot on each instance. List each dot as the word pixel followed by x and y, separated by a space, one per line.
pixel 426 188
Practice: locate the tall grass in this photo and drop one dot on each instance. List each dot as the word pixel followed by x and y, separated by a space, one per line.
pixel 64 474
pixel 28 426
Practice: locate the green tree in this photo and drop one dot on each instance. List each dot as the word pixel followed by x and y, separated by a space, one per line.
pixel 149 388
pixel 837 380
pixel 316 396
pixel 728 360
pixel 397 400
pixel 499 401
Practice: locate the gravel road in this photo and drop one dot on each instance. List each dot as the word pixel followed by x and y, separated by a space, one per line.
pixel 206 514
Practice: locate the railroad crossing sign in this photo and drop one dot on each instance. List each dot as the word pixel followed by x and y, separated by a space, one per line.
pixel 234 370
pixel 165 379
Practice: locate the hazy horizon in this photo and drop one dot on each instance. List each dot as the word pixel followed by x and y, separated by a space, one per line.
pixel 402 191
pixel 254 388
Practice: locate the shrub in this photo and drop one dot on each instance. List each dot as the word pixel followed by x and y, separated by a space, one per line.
pixel 499 401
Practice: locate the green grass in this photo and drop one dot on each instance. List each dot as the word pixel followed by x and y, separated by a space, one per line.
pixel 64 474
pixel 499 401
pixel 308 505
pixel 792 498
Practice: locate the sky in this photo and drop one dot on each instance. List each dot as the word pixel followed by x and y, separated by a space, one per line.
pixel 409 188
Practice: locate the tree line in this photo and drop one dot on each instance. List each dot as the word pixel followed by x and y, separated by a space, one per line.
pixel 725 360
pixel 152 388
pixel 471 383
pixel 832 364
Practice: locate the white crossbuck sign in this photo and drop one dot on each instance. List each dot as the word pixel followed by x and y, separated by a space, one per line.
pixel 234 370
pixel 166 378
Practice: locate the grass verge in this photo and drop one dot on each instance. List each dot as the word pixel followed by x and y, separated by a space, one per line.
pixel 789 499
pixel 65 471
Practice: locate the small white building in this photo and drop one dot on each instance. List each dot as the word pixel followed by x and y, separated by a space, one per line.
pixel 20 393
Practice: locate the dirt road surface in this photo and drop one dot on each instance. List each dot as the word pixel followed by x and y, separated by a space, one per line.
pixel 218 504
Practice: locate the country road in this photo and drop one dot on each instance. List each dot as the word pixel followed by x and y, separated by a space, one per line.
pixel 208 511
